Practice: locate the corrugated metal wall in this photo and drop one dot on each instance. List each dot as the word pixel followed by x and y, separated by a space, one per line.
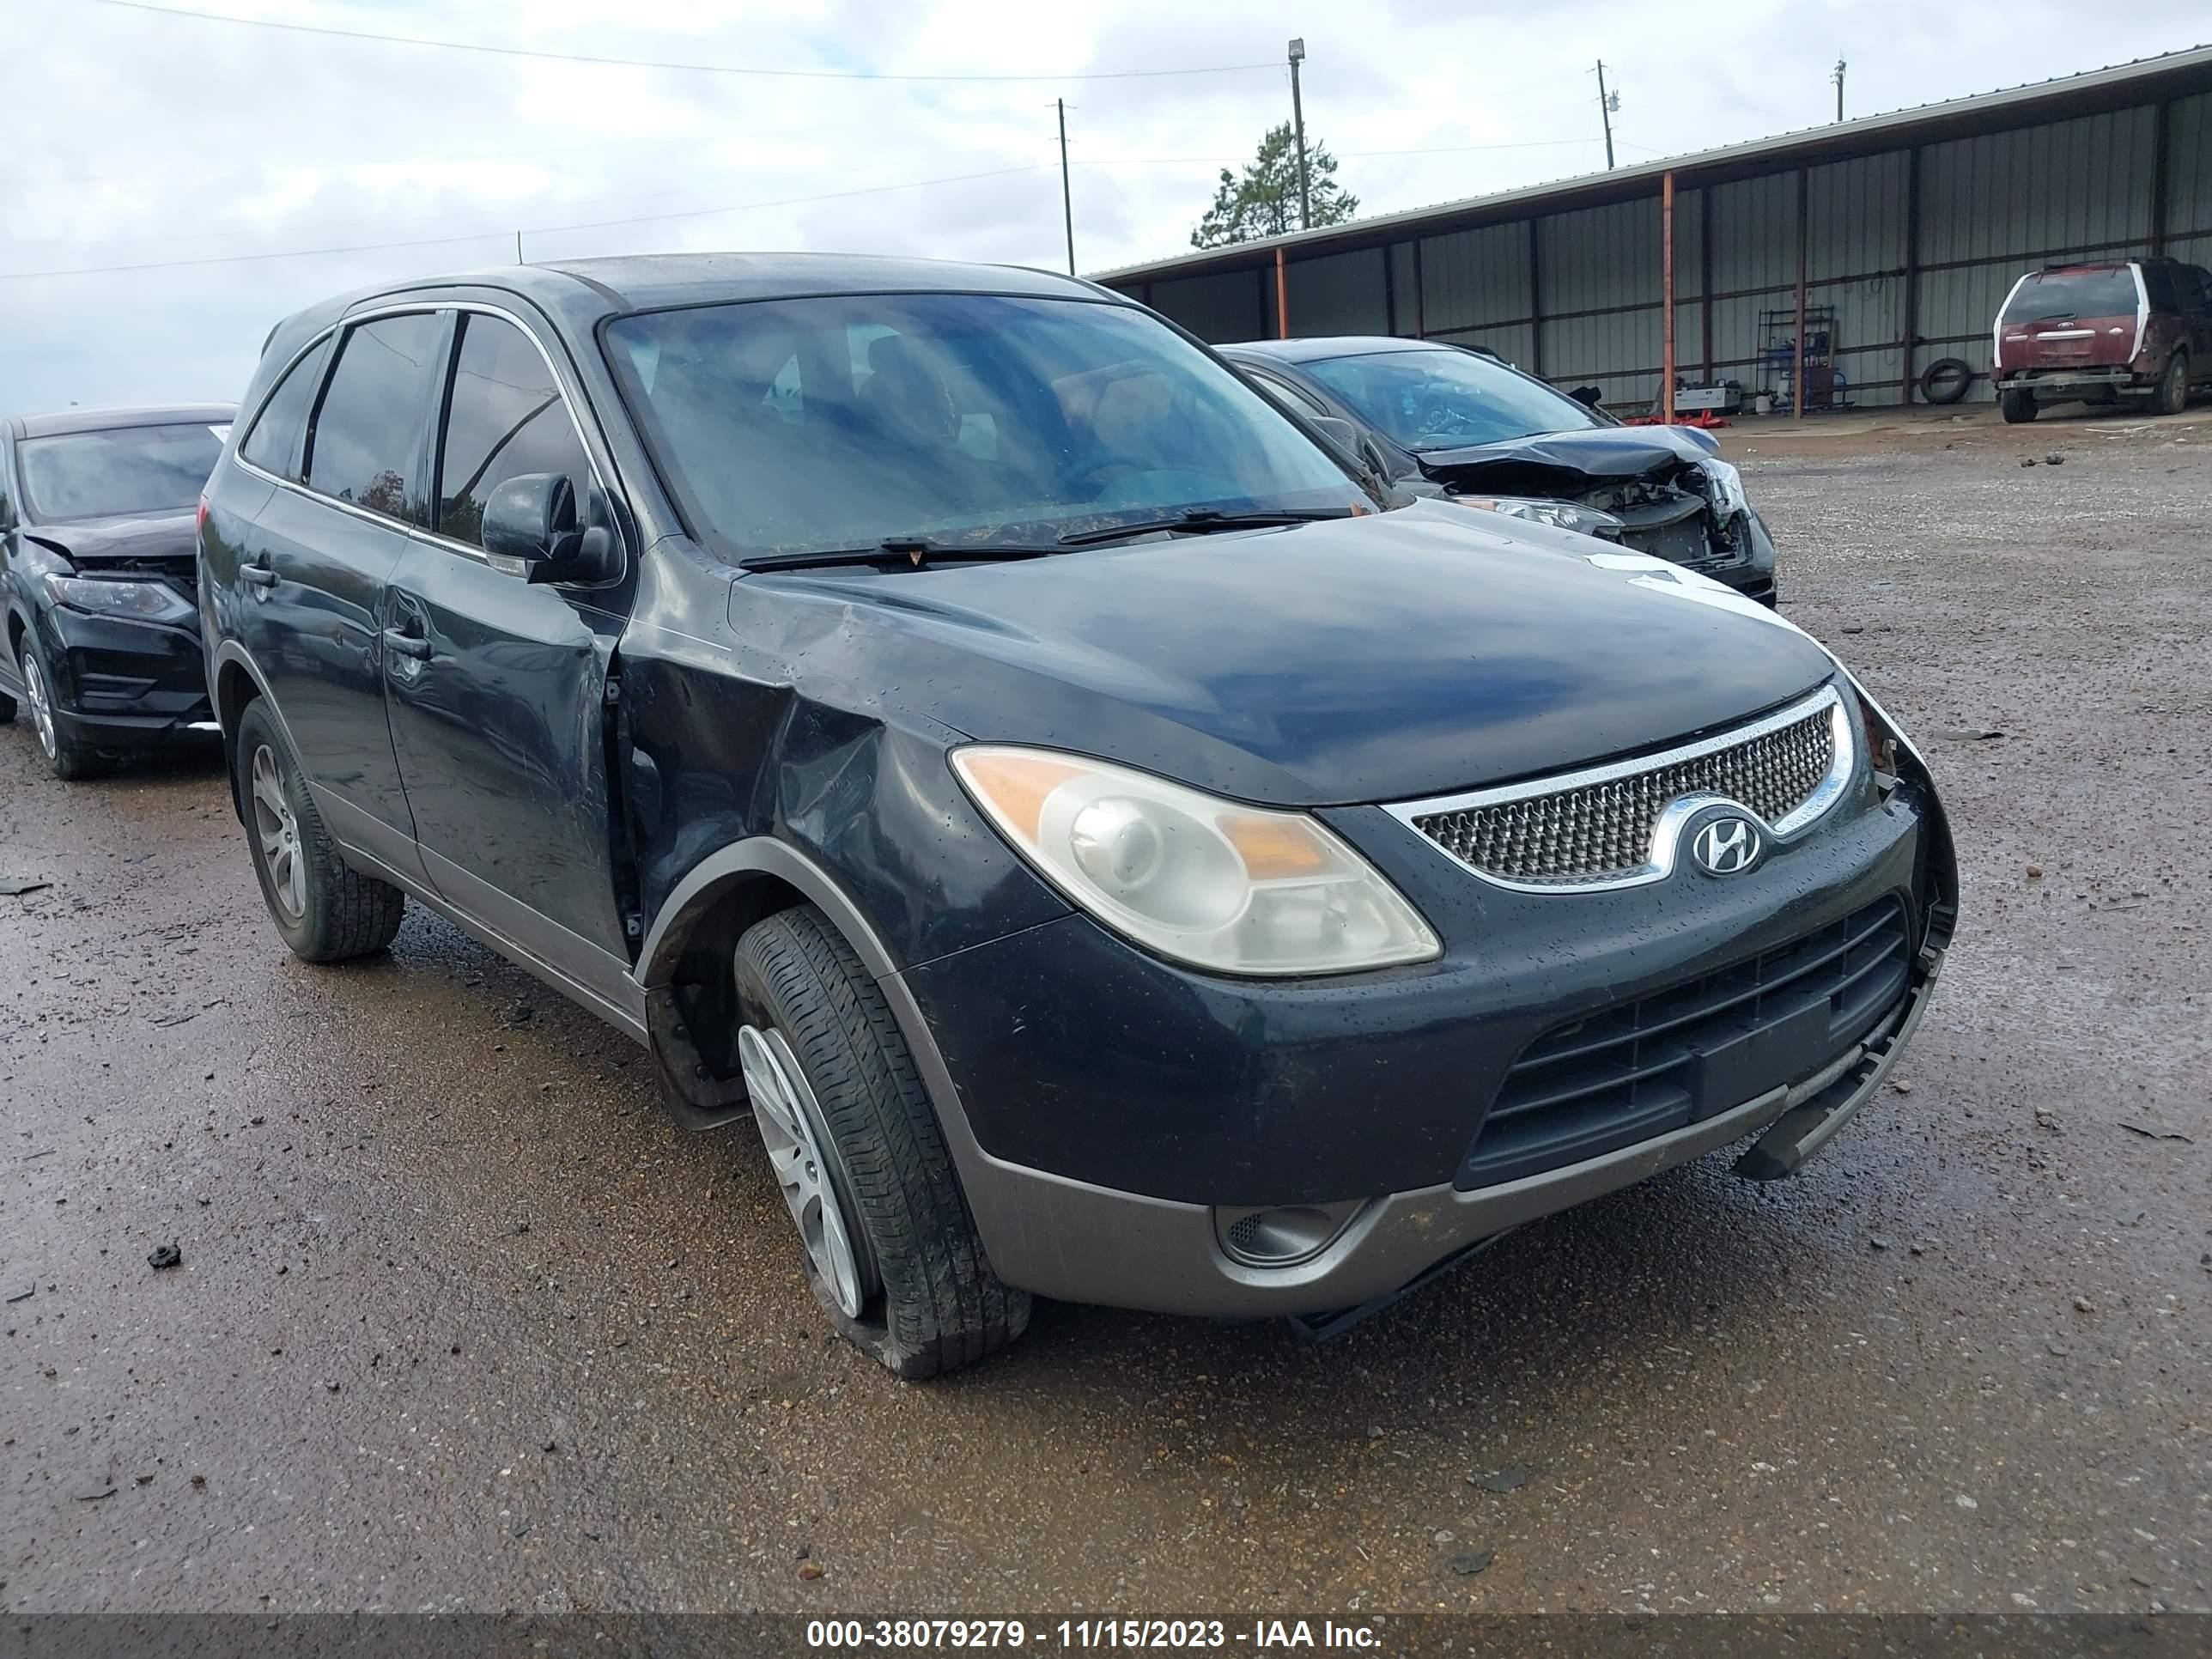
pixel 1575 296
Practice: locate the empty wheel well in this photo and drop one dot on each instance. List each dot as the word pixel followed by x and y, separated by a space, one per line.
pixel 233 689
pixel 703 980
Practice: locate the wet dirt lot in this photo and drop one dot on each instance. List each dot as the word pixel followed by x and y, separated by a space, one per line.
pixel 462 1320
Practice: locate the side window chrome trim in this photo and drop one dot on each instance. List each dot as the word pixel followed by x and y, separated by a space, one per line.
pixel 418 532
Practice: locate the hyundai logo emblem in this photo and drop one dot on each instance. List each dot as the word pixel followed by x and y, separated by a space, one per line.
pixel 1726 847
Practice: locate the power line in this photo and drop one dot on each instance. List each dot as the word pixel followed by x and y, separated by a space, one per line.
pixel 1341 154
pixel 533 230
pixel 648 63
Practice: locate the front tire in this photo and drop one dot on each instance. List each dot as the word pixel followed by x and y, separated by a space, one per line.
pixel 2173 394
pixel 66 758
pixel 2018 404
pixel 891 1247
pixel 326 911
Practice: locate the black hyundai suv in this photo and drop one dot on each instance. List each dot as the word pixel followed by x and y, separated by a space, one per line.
pixel 954 721
pixel 97 578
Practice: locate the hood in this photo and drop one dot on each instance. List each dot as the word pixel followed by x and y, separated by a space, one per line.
pixel 1547 462
pixel 1374 658
pixel 116 540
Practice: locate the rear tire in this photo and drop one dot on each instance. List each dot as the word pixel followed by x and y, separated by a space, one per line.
pixel 2018 404
pixel 326 911
pixel 891 1250
pixel 66 758
pixel 2173 394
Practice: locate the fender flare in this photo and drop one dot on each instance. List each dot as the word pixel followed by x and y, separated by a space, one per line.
pixel 719 872
pixel 765 855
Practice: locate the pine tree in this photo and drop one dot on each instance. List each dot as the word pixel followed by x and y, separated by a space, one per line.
pixel 1265 201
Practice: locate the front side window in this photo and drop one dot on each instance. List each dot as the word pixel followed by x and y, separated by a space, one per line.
pixel 362 445
pixel 1295 399
pixel 2058 296
pixel 809 425
pixel 505 417
pixel 1448 399
pixel 118 472
pixel 280 431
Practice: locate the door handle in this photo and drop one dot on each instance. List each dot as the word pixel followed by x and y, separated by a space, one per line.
pixel 259 574
pixel 406 645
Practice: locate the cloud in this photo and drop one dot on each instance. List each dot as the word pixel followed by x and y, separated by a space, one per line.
pixel 137 138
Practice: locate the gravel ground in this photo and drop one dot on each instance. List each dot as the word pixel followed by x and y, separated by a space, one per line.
pixel 462 1323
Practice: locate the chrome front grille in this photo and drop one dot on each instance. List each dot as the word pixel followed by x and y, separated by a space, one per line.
pixel 1611 826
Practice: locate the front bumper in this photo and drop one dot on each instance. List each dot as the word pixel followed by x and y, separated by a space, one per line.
pixel 121 684
pixel 1084 1243
pixel 1111 1105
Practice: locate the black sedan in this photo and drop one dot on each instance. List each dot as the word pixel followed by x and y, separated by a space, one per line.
pixel 1446 420
pixel 98 578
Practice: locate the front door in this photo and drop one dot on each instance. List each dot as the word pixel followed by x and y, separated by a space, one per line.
pixel 497 697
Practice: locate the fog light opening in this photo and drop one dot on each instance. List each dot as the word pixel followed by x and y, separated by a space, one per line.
pixel 1280 1235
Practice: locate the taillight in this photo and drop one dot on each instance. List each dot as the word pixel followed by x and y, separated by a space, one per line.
pixel 199 518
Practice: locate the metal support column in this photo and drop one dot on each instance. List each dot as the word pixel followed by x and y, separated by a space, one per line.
pixel 1535 306
pixel 1667 296
pixel 1911 273
pixel 2161 146
pixel 1797 373
pixel 1282 297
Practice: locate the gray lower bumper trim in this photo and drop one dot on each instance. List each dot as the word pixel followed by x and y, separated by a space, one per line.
pixel 1080 1242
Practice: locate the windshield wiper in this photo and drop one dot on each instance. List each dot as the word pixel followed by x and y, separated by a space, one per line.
pixel 2056 316
pixel 910 552
pixel 1199 521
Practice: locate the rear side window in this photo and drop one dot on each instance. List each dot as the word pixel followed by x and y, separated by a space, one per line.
pixel 280 430
pixel 506 417
pixel 362 445
pixel 2161 288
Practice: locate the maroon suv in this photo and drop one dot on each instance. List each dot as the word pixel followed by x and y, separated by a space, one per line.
pixel 2100 333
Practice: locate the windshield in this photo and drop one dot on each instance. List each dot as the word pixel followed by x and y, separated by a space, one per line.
pixel 796 426
pixel 2054 296
pixel 122 470
pixel 1448 399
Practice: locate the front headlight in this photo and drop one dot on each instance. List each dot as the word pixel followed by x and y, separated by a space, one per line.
pixel 139 601
pixel 1728 498
pixel 1560 515
pixel 1237 889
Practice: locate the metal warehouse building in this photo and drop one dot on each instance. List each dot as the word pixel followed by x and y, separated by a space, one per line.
pixel 1889 241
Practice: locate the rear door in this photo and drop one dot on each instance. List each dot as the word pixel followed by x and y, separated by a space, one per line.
pixel 2087 317
pixel 497 697
pixel 318 555
pixel 2198 282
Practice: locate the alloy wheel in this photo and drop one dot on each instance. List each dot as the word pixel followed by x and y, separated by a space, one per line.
pixel 42 708
pixel 784 1108
pixel 278 830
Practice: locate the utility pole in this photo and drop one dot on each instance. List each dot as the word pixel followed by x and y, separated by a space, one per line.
pixel 1838 77
pixel 1298 120
pixel 1066 201
pixel 1606 103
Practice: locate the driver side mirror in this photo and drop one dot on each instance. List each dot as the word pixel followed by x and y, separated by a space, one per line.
pixel 1338 431
pixel 530 529
pixel 1589 397
pixel 1357 447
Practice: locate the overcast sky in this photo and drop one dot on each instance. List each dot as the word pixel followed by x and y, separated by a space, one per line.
pixel 134 137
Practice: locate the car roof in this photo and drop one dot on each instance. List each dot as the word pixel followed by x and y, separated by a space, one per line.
pixel 647 282
pixel 1335 345
pixel 107 420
